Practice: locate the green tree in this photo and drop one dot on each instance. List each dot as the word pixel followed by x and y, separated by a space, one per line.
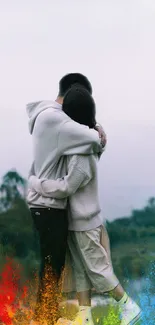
pixel 13 187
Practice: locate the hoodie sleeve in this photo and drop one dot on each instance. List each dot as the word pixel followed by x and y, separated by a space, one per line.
pixel 75 138
pixel 79 175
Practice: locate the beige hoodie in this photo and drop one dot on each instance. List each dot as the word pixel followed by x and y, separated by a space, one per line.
pixel 81 186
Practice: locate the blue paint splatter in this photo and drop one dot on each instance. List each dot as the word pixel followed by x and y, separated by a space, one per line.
pixel 146 298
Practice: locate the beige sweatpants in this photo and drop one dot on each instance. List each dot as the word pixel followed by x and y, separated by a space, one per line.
pixel 88 262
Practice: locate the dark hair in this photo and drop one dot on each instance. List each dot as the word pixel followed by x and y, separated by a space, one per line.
pixel 71 79
pixel 79 105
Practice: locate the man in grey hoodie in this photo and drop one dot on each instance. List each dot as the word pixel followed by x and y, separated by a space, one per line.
pixel 55 135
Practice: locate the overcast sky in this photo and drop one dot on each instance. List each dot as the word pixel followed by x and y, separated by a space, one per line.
pixel 113 43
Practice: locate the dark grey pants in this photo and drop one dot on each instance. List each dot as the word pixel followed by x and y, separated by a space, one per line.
pixel 52 227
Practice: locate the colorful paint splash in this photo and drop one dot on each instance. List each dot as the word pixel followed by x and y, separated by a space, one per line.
pixel 147 298
pixel 11 294
pixel 17 301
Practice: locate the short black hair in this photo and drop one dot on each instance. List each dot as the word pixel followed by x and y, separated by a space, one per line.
pixel 79 105
pixel 71 79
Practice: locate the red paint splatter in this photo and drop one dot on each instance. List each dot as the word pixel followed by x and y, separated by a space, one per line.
pixel 10 292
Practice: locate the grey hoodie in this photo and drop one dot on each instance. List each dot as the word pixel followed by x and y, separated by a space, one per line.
pixel 55 135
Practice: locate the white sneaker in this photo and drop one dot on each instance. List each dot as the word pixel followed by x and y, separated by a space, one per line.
pixel 130 313
pixel 64 321
pixel 83 318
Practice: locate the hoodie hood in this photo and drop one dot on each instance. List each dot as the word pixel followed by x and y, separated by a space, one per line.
pixel 35 108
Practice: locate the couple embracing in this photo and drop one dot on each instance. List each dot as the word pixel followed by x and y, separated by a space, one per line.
pixel 64 203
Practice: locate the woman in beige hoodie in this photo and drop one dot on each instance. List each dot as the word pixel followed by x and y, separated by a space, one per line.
pixel 88 242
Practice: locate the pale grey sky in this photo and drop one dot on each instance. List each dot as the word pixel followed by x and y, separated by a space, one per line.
pixel 112 42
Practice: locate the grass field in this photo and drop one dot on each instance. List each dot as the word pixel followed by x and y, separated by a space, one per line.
pixel 102 315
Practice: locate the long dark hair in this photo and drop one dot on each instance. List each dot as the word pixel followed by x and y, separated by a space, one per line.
pixel 79 105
